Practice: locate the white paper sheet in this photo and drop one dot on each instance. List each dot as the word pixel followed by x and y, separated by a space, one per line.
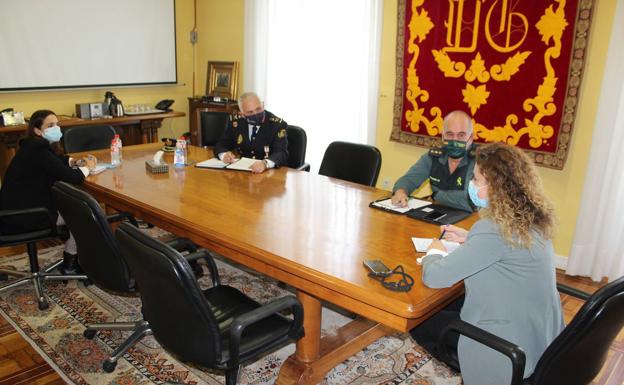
pixel 422 244
pixel 412 203
pixel 242 164
pixel 211 163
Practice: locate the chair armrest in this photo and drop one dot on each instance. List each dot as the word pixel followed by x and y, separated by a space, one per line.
pixel 304 167
pixel 241 322
pixel 212 266
pixel 183 244
pixel 26 212
pixel 573 292
pixel 514 352
pixel 122 216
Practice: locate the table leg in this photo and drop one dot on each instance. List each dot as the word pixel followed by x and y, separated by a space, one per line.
pixel 308 346
pixel 315 356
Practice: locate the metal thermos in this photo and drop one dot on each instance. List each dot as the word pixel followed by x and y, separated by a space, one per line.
pixel 116 108
pixel 108 96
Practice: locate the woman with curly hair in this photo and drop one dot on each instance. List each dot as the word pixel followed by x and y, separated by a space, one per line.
pixel 506 261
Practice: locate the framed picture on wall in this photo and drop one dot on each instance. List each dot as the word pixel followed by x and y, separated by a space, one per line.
pixel 222 79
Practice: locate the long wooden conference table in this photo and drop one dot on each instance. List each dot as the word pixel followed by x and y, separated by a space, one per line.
pixel 309 231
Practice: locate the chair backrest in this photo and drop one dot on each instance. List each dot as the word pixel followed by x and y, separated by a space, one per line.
pixel 297 144
pixel 212 125
pixel 172 300
pixel 576 356
pixel 359 163
pixel 87 138
pixel 98 253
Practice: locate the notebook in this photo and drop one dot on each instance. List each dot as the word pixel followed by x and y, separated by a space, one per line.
pixel 242 164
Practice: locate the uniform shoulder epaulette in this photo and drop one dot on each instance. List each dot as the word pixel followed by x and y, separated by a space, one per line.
pixel 275 119
pixel 235 116
pixel 436 151
pixel 473 150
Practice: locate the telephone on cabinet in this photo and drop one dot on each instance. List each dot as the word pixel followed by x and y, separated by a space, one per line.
pixel 164 105
pixel 215 99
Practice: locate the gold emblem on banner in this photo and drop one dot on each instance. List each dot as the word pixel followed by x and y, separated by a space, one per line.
pixel 478 73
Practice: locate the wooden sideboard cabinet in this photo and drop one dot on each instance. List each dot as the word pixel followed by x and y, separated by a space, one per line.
pixel 134 129
pixel 198 104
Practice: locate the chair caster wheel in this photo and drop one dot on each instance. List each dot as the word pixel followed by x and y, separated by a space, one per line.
pixel 89 333
pixel 108 366
pixel 43 305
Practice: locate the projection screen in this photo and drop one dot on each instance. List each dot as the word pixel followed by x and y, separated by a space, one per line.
pixel 86 43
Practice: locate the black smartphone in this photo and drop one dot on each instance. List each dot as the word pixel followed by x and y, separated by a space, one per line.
pixel 376 266
pixel 435 215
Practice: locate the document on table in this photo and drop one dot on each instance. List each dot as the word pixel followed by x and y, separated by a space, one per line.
pixel 412 203
pixel 422 244
pixel 242 164
pixel 212 163
pixel 98 169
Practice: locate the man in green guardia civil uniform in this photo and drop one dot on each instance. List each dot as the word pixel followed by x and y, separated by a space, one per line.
pixel 449 168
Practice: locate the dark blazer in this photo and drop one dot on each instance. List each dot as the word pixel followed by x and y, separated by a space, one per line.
pixel 272 133
pixel 29 179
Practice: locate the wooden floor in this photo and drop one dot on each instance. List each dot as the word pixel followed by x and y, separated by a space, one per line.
pixel 21 364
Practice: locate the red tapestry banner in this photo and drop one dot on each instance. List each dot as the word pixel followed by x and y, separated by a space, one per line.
pixel 514 65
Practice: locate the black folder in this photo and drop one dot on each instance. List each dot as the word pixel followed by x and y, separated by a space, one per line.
pixel 438 214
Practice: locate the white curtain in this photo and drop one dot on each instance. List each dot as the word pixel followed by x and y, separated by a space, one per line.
pixel 598 246
pixel 315 63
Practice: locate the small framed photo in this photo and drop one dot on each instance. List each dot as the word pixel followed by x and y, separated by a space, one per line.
pixel 222 79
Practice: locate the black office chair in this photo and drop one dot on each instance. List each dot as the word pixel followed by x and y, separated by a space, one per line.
pixel 220 327
pixel 359 163
pixel 576 356
pixel 212 124
pixel 297 144
pixel 87 138
pixel 37 276
pixel 100 258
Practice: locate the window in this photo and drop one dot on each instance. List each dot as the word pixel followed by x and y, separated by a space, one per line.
pixel 315 63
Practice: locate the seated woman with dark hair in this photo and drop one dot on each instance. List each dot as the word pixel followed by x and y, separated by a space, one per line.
pixel 38 163
pixel 506 261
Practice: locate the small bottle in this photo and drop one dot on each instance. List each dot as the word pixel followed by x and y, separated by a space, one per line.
pixel 117 140
pixel 179 157
pixel 114 150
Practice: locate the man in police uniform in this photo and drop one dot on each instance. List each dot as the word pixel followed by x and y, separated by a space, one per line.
pixel 449 168
pixel 254 133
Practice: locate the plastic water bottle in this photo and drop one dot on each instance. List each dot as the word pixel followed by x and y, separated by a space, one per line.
pixel 119 146
pixel 179 157
pixel 114 150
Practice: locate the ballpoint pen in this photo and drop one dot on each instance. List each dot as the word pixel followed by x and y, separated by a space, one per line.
pixel 442 235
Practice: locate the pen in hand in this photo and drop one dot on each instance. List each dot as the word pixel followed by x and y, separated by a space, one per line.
pixel 442 235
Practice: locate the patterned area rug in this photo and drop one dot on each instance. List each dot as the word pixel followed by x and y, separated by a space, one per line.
pixel 57 334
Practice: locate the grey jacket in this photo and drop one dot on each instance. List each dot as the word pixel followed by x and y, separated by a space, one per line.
pixel 510 292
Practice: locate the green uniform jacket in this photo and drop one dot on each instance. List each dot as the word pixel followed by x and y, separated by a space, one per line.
pixel 448 189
